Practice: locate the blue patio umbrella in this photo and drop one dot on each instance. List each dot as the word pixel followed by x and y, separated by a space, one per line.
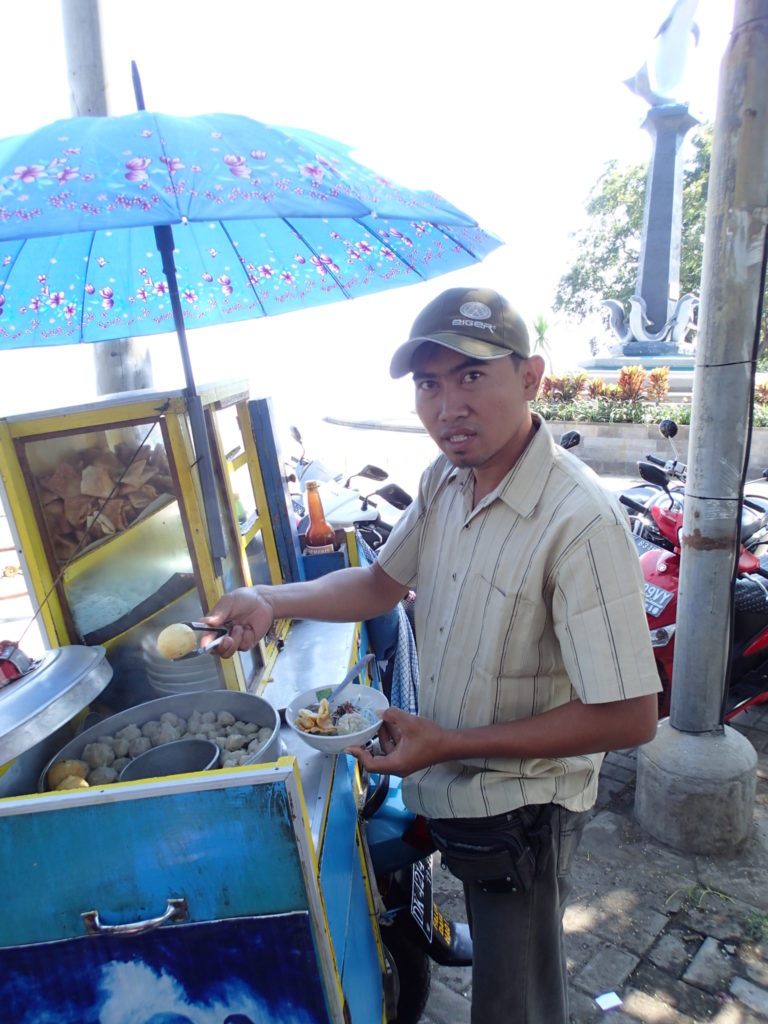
pixel 113 227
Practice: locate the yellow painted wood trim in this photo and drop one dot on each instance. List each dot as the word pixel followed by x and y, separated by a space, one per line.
pixel 251 532
pixel 41 581
pixel 259 492
pixel 315 863
pixel 350 539
pixel 271 650
pixel 181 449
pixel 368 881
pixel 104 418
pixel 190 502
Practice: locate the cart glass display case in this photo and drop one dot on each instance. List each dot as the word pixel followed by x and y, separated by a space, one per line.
pixel 108 508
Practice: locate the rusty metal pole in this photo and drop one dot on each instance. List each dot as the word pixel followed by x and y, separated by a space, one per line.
pixel 696 781
pixel 729 326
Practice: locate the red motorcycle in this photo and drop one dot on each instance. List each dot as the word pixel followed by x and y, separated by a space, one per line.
pixel 657 536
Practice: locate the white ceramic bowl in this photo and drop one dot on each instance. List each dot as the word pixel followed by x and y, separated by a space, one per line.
pixel 195 687
pixel 368 700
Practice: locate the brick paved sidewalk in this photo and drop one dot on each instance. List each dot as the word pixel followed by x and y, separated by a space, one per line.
pixel 681 939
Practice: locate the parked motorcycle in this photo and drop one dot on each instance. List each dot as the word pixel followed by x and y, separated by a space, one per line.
pixel 414 930
pixel 657 526
pixel 373 513
pixel 660 476
pixel 397 843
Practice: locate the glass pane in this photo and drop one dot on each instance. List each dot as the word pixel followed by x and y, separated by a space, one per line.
pixel 140 572
pixel 108 504
pixel 242 493
pixel 95 484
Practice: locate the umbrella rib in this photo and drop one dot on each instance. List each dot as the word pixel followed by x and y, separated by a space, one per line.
pixel 87 266
pixel 240 260
pixel 167 164
pixel 344 291
pixel 388 244
pixel 455 240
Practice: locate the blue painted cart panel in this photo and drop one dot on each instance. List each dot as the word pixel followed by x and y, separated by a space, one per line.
pixel 229 850
pixel 349 911
pixel 362 971
pixel 248 971
pixel 339 857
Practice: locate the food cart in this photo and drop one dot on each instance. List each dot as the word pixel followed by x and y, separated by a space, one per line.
pixel 227 895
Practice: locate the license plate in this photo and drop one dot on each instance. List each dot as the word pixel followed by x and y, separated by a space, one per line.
pixel 656 599
pixel 642 545
pixel 421 895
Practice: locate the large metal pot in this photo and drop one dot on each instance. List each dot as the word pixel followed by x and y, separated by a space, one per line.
pixel 35 711
pixel 246 707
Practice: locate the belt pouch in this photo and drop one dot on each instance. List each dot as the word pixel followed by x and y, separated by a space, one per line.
pixel 499 853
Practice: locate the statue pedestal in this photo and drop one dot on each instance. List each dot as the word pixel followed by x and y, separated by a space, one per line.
pixel 676 363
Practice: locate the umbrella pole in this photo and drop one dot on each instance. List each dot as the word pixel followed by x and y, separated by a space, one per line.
pixel 164 239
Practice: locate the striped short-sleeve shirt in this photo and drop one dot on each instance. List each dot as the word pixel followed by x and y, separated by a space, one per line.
pixel 530 600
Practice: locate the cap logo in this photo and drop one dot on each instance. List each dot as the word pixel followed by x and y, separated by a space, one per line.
pixel 475 310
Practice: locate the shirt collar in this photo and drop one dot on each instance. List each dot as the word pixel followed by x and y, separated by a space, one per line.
pixel 523 485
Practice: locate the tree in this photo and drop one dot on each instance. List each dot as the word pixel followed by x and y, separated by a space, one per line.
pixel 609 246
pixel 541 341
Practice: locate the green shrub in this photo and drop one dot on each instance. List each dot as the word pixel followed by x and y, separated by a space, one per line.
pixel 611 410
pixel 636 397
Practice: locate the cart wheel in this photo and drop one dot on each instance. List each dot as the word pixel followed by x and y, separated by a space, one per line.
pixel 411 967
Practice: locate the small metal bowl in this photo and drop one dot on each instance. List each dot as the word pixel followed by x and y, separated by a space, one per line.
pixel 176 758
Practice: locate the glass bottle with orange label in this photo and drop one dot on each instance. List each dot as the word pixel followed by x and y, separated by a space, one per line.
pixel 320 536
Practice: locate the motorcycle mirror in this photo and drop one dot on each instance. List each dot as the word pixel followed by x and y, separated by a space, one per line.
pixel 668 428
pixel 395 495
pixel 370 473
pixel 654 475
pixel 570 439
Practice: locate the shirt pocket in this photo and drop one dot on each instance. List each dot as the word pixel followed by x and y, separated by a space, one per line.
pixel 504 630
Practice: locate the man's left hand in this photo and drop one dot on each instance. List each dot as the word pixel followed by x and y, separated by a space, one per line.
pixel 407 741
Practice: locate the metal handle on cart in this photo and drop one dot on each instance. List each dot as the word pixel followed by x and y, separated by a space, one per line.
pixel 176 910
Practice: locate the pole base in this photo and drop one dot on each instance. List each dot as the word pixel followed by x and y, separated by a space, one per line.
pixel 696 792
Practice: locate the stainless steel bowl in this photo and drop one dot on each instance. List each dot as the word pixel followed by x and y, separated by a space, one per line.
pixel 176 758
pixel 246 707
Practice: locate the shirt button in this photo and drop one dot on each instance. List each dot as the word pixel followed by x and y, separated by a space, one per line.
pixel 442 629
pixel 453 576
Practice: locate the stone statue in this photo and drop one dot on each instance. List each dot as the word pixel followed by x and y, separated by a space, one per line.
pixel 635 329
pixel 658 321
pixel 664 70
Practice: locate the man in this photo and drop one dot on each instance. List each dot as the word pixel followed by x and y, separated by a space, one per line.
pixel 534 655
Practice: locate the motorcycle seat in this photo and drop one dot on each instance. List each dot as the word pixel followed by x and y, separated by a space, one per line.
pixel 750 593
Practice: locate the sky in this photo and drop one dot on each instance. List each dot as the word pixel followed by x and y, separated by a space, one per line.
pixel 509 110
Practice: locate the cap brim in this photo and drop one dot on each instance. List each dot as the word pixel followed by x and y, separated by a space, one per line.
pixel 472 347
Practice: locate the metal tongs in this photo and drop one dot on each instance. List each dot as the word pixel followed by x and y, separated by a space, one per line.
pixel 203 627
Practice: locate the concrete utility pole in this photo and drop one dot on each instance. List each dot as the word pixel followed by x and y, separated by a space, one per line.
pixel 696 780
pixel 122 365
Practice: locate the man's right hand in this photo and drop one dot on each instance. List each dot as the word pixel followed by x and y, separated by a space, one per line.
pixel 247 613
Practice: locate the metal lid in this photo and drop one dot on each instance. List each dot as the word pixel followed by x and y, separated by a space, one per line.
pixel 57 687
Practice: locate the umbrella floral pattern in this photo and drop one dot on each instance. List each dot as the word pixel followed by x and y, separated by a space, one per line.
pixel 265 220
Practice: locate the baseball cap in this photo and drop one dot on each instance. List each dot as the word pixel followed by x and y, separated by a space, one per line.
pixel 476 321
